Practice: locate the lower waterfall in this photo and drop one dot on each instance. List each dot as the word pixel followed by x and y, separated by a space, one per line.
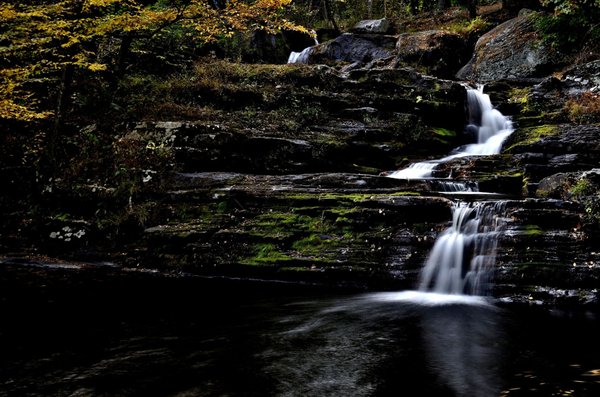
pixel 463 256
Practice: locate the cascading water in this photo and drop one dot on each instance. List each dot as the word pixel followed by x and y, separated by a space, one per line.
pixel 491 128
pixel 302 56
pixel 299 57
pixel 464 255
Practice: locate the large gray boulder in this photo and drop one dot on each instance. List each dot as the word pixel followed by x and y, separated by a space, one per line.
pixel 351 47
pixel 512 50
pixel 436 52
pixel 579 84
pixel 380 26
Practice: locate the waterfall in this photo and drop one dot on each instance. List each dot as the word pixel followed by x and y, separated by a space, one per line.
pixel 491 127
pixel 455 187
pixel 299 57
pixel 463 256
pixel 302 56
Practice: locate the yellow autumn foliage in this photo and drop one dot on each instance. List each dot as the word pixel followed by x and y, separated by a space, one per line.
pixel 46 38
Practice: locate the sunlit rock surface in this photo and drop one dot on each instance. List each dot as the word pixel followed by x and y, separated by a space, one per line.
pixel 513 49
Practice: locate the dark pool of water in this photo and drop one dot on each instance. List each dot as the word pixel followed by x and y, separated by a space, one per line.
pixel 84 334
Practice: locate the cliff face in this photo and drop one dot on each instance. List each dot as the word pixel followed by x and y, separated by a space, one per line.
pixel 278 172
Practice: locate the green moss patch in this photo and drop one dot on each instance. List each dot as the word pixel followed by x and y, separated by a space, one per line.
pixel 526 136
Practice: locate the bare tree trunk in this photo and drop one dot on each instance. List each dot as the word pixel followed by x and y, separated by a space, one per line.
pixel 442 5
pixel 328 10
pixel 62 106
pixel 414 6
pixel 472 6
pixel 369 9
pixel 123 54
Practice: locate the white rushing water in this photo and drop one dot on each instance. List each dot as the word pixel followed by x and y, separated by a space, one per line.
pixel 464 255
pixel 299 57
pixel 492 129
pixel 302 56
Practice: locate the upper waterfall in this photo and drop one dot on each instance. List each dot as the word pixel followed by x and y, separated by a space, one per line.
pixel 491 127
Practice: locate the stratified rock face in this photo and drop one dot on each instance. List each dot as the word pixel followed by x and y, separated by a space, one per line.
pixel 439 53
pixel 545 256
pixel 381 26
pixel 552 93
pixel 513 49
pixel 583 78
pixel 351 47
pixel 556 149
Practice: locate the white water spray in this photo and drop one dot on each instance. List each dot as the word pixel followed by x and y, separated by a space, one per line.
pixel 299 57
pixel 492 129
pixel 302 56
pixel 463 256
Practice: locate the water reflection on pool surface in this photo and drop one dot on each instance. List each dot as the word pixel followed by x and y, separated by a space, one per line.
pixel 150 336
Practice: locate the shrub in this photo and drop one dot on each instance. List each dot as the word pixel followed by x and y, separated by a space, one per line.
pixel 584 108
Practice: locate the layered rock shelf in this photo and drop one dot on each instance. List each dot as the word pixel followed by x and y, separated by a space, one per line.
pixel 283 176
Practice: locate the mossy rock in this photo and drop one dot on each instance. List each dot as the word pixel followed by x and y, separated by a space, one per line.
pixel 519 140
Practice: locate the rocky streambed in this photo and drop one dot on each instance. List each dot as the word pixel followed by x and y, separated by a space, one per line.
pixel 278 172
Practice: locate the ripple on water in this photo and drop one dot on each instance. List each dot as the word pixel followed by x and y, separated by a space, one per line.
pixel 430 298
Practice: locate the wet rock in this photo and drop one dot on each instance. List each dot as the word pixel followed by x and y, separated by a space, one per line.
pixel 556 186
pixel 582 78
pixel 368 124
pixel 408 91
pixel 381 26
pixel 545 249
pixel 580 187
pixel 495 174
pixel 351 47
pixel 513 49
pixel 319 227
pixel 436 52
pixel 575 96
pixel 548 150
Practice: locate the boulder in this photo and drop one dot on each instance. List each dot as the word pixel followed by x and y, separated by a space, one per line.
pixel 514 49
pixel 547 150
pixel 351 47
pixel 573 186
pixel 436 52
pixel 380 26
pixel 576 94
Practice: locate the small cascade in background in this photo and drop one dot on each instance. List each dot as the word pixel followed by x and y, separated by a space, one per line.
pixel 464 255
pixel 490 126
pixel 302 56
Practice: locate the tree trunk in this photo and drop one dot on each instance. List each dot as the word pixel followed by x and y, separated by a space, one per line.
pixel 329 13
pixel 414 6
pixel 442 5
pixel 123 55
pixel 472 6
pixel 62 106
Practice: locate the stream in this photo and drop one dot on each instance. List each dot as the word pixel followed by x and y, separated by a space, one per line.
pixel 98 330
pixel 93 332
